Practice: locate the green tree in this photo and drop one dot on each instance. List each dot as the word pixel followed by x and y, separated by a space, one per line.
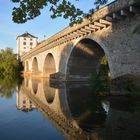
pixel 9 72
pixel 100 82
pixel 8 63
pixel 29 9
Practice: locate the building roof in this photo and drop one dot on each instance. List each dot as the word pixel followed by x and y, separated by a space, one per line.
pixel 27 35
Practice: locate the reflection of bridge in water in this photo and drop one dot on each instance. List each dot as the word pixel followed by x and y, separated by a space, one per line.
pixel 53 103
pixel 91 118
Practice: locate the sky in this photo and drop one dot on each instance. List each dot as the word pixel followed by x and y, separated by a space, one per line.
pixel 42 26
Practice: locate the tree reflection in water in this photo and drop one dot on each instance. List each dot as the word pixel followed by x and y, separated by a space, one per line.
pixel 8 84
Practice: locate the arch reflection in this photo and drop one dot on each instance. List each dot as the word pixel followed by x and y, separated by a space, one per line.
pixel 34 86
pixel 79 113
pixel 86 108
pixel 49 92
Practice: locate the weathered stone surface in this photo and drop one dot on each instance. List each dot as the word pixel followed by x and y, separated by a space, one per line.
pixel 117 40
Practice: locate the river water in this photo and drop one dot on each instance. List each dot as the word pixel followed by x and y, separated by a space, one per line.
pixel 39 110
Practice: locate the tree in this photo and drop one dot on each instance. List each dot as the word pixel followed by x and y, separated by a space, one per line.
pixel 8 63
pixel 29 9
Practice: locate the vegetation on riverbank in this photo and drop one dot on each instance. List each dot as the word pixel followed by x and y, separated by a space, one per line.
pixel 9 65
pixel 10 71
pixel 102 84
pixel 100 81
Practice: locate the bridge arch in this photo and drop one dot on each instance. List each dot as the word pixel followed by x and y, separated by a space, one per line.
pixel 49 65
pixel 34 65
pixel 84 59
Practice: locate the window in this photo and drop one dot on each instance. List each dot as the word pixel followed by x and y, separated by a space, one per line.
pixel 30 39
pixel 24 47
pixel 24 38
pixel 31 43
pixel 24 43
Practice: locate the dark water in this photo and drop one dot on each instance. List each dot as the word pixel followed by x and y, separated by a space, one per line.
pixel 37 110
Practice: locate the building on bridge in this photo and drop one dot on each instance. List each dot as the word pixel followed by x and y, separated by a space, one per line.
pixel 25 43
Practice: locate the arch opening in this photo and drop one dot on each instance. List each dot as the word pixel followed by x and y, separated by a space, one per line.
pixel 49 65
pixel 35 65
pixel 85 60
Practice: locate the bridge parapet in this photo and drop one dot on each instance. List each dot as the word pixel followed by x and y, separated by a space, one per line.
pixel 100 19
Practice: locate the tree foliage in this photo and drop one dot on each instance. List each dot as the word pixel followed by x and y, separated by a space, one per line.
pixel 9 72
pixel 100 81
pixel 8 63
pixel 29 9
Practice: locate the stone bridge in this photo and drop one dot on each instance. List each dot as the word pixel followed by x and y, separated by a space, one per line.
pixel 76 52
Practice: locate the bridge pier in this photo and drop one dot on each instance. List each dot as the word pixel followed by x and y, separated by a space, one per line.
pixel 59 77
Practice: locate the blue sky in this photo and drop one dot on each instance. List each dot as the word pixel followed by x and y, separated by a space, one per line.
pixel 40 26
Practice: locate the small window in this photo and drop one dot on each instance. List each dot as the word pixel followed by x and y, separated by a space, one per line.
pixel 31 39
pixel 24 43
pixel 24 47
pixel 24 38
pixel 31 43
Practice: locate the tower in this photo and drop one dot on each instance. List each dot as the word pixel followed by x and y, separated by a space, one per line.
pixel 25 43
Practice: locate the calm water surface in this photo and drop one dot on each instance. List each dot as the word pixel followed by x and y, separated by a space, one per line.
pixel 39 110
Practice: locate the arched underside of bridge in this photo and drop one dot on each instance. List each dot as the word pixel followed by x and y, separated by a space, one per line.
pixel 49 66
pixel 34 66
pixel 85 60
pixel 49 92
